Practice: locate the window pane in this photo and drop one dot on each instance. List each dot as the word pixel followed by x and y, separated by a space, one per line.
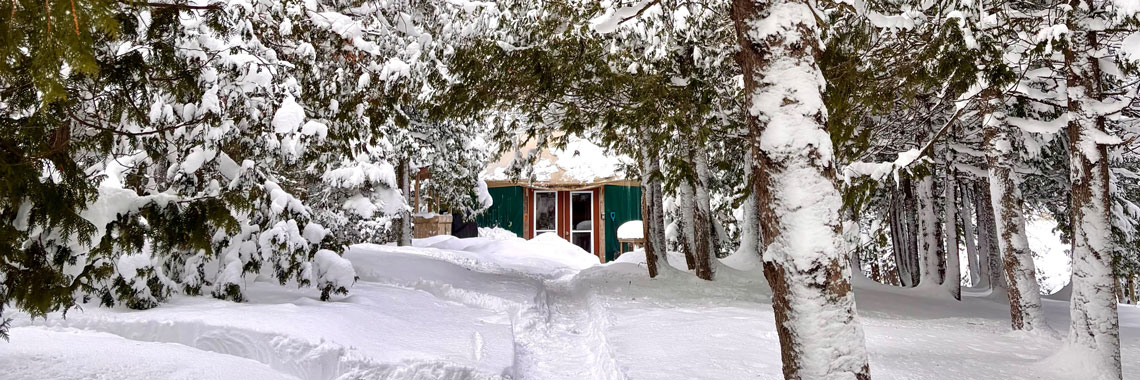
pixel 581 212
pixel 582 239
pixel 544 211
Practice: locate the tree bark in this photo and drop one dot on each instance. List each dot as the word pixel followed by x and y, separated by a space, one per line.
pixel 928 244
pixel 1005 197
pixel 1094 321
pixel 404 223
pixel 687 206
pixel 969 239
pixel 653 208
pixel 750 239
pixel 702 223
pixel 1132 289
pixel 798 195
pixel 904 241
pixel 952 279
pixel 989 252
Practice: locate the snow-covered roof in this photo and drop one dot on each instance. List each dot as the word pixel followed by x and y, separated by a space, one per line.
pixel 581 163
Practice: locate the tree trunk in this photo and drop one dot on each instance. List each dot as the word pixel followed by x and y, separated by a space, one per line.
pixel 969 238
pixel 1132 289
pixel 1093 315
pixel 750 239
pixel 1119 289
pixel 952 279
pixel 989 252
pixel 903 237
pixel 928 245
pixel 404 223
pixel 702 213
pixel 876 271
pixel 653 209
pixel 1002 157
pixel 687 205
pixel 798 195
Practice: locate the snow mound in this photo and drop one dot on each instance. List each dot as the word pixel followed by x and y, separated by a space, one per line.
pixel 496 233
pixel 743 260
pixel 631 230
pixel 333 271
pixel 637 256
pixel 546 255
pixel 68 353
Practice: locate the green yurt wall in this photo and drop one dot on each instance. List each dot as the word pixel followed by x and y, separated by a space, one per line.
pixel 507 210
pixel 623 204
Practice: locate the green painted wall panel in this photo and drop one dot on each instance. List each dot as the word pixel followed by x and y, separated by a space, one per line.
pixel 507 210
pixel 623 204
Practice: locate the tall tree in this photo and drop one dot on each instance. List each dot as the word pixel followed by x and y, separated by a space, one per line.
pixel 1094 327
pixel 1006 201
pixel 797 191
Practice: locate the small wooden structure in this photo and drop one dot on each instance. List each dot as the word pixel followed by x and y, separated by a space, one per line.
pixel 630 233
pixel 631 243
pixel 426 226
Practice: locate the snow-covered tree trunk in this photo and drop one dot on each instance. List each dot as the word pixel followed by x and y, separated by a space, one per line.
pixel 653 208
pixel 798 195
pixel 1094 324
pixel 929 247
pixel 903 237
pixel 952 278
pixel 969 239
pixel 988 250
pixel 703 254
pixel 687 203
pixel 1005 197
pixel 750 239
pixel 404 222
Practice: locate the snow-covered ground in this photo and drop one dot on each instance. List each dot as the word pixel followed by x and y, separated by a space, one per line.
pixel 507 308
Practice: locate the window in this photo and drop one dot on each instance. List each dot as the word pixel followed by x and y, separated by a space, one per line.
pixel 582 219
pixel 545 212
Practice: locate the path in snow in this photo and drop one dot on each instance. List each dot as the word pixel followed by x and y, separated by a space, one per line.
pixel 558 331
pixel 562 336
pixel 475 309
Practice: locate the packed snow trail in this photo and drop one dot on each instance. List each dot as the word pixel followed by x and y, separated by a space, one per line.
pixel 558 333
pixel 562 336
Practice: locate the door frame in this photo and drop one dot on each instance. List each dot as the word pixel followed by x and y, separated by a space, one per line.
pixel 593 223
pixel 534 211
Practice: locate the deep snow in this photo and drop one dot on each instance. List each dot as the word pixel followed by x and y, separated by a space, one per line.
pixel 486 309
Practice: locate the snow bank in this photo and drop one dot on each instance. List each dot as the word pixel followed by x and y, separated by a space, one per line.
pixel 546 255
pixel 66 353
pixel 367 336
pixel 496 233
pixel 637 256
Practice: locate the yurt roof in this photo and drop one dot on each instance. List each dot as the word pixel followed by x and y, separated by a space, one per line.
pixel 580 164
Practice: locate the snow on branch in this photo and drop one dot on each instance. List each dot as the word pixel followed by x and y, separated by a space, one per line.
pixel 879 170
pixel 613 18
pixel 1039 126
pixel 906 20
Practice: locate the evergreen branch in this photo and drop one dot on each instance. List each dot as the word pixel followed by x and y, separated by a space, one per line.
pixel 172 5
pixel 133 134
